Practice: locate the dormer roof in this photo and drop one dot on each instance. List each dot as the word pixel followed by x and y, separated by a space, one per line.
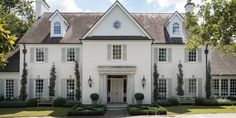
pixel 56 12
pixel 176 13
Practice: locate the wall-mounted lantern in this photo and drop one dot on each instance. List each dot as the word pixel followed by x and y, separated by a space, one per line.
pixel 143 81
pixel 90 82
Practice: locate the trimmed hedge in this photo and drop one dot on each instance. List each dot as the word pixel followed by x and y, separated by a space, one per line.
pixel 173 101
pixel 59 102
pixel 71 104
pixel 146 110
pixel 213 102
pixel 87 110
pixel 32 102
pixel 12 104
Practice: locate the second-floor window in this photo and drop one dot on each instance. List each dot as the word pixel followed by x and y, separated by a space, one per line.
pixel 176 28
pixel 40 55
pixel 70 54
pixel 162 54
pixel 116 52
pixel 192 56
pixel 57 28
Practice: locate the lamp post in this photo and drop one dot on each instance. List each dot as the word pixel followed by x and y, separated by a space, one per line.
pixel 24 52
pixel 143 81
pixel 90 82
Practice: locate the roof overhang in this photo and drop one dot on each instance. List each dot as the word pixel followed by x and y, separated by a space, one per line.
pixel 116 38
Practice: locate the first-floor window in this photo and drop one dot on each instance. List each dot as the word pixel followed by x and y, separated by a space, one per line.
pixel 215 85
pixel 9 89
pixel 38 88
pixel 224 87
pixel 162 54
pixel 70 89
pixel 162 89
pixel 233 87
pixel 192 87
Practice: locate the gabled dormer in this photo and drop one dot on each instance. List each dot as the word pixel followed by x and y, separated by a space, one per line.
pixel 174 25
pixel 59 25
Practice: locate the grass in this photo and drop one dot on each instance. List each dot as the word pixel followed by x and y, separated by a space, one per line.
pixel 200 109
pixel 33 112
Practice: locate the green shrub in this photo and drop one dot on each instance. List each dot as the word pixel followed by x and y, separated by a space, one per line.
pixel 59 102
pixel 2 98
pixel 94 96
pixel 173 101
pixel 146 110
pixel 12 104
pixel 212 102
pixel 224 102
pixel 71 104
pixel 139 96
pixel 87 110
pixel 32 102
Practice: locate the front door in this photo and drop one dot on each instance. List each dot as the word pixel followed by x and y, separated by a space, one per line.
pixel 117 90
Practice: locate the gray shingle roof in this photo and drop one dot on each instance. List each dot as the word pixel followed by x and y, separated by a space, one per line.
pixel 80 23
pixel 13 64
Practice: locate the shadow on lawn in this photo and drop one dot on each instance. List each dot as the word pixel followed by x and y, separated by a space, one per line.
pixel 187 108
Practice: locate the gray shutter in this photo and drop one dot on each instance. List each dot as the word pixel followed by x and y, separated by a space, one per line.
pixel 32 55
pixel 186 55
pixel 156 54
pixel 46 55
pixel 109 52
pixel 63 88
pixel 124 52
pixel 1 87
pixel 186 87
pixel 31 88
pixel 77 55
pixel 199 55
pixel 199 87
pixel 169 55
pixel 45 88
pixel 15 87
pixel 169 85
pixel 63 54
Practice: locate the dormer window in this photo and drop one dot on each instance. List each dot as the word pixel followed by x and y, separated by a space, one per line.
pixel 57 28
pixel 176 28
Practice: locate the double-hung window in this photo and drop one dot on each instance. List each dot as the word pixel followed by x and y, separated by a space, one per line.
pixel 70 85
pixel 57 28
pixel 192 55
pixel 70 54
pixel 162 89
pixel 215 85
pixel 9 89
pixel 176 28
pixel 224 87
pixel 117 52
pixel 40 54
pixel 162 54
pixel 38 88
pixel 193 87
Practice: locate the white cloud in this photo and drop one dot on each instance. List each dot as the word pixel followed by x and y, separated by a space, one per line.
pixel 63 5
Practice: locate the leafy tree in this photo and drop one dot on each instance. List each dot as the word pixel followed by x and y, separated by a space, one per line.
pixel 214 24
pixel 208 81
pixel 156 78
pixel 8 5
pixel 77 76
pixel 180 81
pixel 23 92
pixel 52 80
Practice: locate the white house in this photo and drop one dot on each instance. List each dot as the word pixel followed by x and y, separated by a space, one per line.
pixel 116 51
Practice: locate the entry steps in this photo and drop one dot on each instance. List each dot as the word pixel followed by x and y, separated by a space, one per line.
pixel 117 106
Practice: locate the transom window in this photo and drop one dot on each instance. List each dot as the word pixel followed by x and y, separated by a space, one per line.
pixel 162 89
pixel 70 56
pixel 176 28
pixel 70 89
pixel 215 84
pixel 162 54
pixel 192 87
pixel 116 52
pixel 38 88
pixel 40 55
pixel 192 55
pixel 9 89
pixel 57 28
pixel 224 87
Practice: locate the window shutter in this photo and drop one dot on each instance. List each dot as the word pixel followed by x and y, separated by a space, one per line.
pixel 45 88
pixel 186 55
pixel 169 55
pixel 32 86
pixel 124 52
pixel 63 88
pixel 156 54
pixel 15 87
pixel 169 85
pixel 199 85
pixel 199 55
pixel 186 87
pixel 32 55
pixel 77 55
pixel 63 54
pixel 109 52
pixel 1 86
pixel 46 55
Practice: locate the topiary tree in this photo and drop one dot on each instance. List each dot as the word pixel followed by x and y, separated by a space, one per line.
pixel 155 83
pixel 23 92
pixel 208 81
pixel 77 76
pixel 180 82
pixel 52 80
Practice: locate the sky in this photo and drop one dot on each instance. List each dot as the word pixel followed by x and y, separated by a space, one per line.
pixel 156 6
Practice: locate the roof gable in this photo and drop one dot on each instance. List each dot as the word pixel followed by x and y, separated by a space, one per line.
pixel 60 15
pixel 117 21
pixel 176 14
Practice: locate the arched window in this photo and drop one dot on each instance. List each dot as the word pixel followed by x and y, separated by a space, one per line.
pixel 57 28
pixel 176 28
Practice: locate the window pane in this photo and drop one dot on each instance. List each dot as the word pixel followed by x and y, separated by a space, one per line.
pixel 233 87
pixel 215 85
pixel 224 87
pixel 162 54
pixel 176 28
pixel 9 89
pixel 57 28
pixel 70 85
pixel 116 52
pixel 192 87
pixel 38 88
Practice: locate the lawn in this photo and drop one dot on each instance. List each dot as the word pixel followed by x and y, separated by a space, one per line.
pixel 33 111
pixel 200 109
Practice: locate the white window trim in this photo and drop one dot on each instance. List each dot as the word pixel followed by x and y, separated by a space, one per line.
pixel 66 52
pixel 35 55
pixel 193 62
pixel 166 55
pixel 34 82
pixel 116 60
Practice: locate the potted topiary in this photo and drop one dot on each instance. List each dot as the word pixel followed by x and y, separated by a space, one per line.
pixel 94 97
pixel 139 98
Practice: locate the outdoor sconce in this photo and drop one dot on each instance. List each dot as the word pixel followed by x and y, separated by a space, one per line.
pixel 90 82
pixel 143 81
